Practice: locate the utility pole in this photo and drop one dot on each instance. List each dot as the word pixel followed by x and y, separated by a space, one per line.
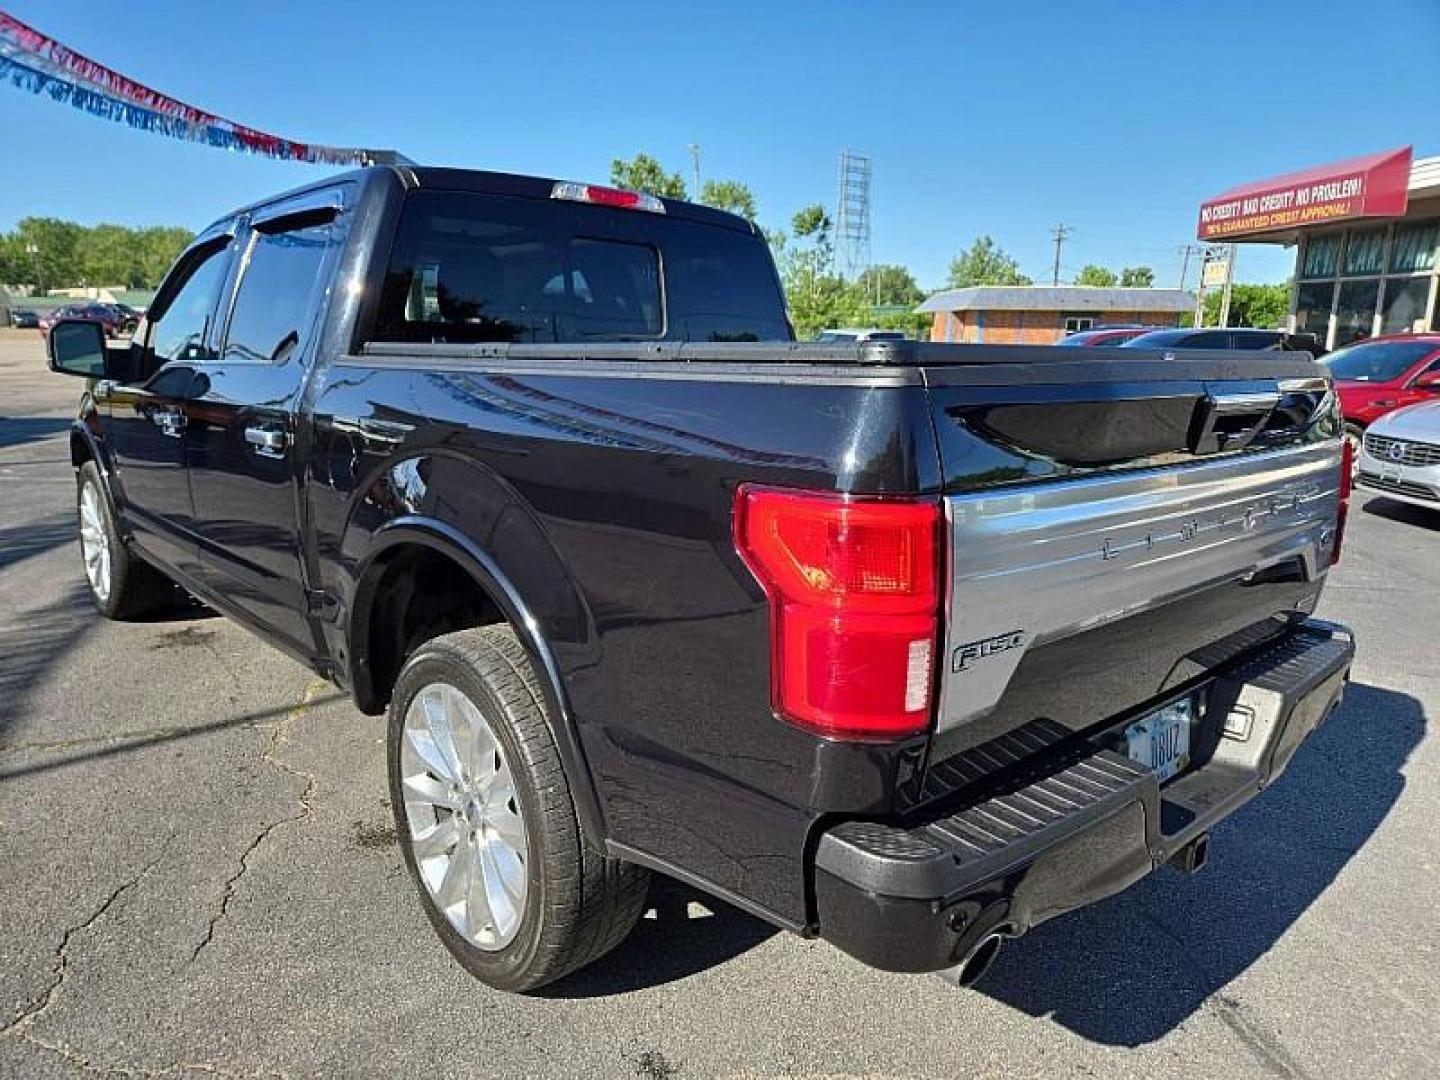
pixel 1187 250
pixel 1229 281
pixel 695 159
pixel 33 250
pixel 1061 233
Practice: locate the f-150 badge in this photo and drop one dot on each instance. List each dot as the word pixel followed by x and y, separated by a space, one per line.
pixel 966 655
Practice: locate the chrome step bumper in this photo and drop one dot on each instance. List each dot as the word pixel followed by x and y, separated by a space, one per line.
pixel 1072 822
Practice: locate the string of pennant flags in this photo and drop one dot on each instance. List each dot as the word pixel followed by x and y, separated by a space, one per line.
pixel 35 62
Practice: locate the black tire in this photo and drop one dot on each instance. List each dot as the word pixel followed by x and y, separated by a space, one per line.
pixel 135 587
pixel 579 903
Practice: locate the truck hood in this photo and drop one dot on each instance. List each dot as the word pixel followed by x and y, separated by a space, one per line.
pixel 1415 422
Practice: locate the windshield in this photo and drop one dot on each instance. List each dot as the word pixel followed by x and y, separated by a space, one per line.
pixel 1376 361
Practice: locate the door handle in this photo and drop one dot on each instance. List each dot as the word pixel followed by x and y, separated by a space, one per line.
pixel 267 442
pixel 171 422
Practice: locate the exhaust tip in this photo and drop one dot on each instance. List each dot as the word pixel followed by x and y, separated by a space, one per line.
pixel 973 968
pixel 1191 859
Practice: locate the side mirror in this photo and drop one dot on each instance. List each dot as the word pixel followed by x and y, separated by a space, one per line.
pixel 1428 381
pixel 77 347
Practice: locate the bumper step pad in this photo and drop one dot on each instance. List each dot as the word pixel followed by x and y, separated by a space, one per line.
pixel 1059 822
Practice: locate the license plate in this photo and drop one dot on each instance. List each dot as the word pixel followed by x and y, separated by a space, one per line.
pixel 1161 741
pixel 1390 473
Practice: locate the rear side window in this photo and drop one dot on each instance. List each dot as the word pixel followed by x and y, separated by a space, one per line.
pixel 473 268
pixel 276 302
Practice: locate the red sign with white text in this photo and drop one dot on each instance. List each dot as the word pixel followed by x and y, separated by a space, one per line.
pixel 1373 186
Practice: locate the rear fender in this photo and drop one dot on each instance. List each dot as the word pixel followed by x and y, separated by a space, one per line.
pixel 485 527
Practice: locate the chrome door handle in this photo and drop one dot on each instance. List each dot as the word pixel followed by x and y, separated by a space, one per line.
pixel 171 422
pixel 267 442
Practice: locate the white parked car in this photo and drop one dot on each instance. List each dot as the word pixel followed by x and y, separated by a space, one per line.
pixel 859 333
pixel 1400 457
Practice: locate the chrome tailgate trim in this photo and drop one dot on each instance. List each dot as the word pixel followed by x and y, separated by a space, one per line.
pixel 1038 563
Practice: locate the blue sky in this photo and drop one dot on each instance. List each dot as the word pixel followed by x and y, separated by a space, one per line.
pixel 1116 118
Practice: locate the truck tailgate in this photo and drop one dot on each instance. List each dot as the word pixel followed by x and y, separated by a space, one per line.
pixel 1111 539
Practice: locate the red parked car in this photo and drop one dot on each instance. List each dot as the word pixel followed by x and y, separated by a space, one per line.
pixel 1104 336
pixel 1379 375
pixel 106 315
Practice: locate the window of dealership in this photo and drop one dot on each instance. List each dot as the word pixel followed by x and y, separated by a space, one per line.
pixel 1367 238
pixel 1368 280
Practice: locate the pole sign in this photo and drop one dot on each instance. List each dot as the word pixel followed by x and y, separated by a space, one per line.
pixel 1373 186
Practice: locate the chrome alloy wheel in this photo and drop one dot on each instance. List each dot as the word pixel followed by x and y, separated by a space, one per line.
pixel 94 544
pixel 463 814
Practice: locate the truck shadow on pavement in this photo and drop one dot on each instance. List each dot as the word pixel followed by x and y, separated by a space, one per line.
pixel 1129 970
pixel 683 932
pixel 17 430
pixel 34 538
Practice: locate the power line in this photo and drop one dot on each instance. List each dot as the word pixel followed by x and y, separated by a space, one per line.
pixel 1061 233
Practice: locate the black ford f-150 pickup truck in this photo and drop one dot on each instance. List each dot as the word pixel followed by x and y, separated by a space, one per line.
pixel 907 646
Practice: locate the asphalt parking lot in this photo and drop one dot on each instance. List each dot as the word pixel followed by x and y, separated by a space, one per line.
pixel 198 874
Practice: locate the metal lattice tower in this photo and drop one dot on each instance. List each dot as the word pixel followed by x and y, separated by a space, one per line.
pixel 852 215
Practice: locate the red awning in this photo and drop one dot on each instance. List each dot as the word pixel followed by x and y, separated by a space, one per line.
pixel 1370 186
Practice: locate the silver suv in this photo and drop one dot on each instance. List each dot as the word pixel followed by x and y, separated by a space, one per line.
pixel 1400 457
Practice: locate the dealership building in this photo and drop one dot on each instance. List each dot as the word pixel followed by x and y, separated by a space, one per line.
pixel 1367 238
pixel 1042 315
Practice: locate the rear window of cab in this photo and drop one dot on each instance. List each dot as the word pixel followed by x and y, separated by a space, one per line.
pixel 476 268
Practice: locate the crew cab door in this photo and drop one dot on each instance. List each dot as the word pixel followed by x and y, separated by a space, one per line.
pixel 243 440
pixel 145 412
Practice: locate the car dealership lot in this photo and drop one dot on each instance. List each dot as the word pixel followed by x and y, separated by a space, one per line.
pixel 199 874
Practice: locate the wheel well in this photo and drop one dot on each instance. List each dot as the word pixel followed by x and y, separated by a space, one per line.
pixel 418 593
pixel 79 450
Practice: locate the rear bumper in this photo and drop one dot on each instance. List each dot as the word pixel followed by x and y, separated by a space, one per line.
pixel 1072 822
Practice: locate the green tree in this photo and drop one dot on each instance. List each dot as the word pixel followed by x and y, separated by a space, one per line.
pixel 53 254
pixel 1263 306
pixel 1137 277
pixel 644 173
pixel 157 248
pixel 816 295
pixel 729 195
pixel 1096 275
pixel 985 264
pixel 108 255
pixel 12 262
pixel 887 285
pixel 50 250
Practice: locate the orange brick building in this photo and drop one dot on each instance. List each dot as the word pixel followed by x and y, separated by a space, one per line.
pixel 1042 314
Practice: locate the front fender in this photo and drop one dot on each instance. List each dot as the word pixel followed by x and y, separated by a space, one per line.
pixel 87 443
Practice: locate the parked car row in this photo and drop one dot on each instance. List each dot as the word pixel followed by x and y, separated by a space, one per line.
pixel 1374 379
pixel 117 319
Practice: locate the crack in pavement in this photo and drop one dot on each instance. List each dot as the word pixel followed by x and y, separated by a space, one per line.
pixel 1264 1046
pixel 179 1068
pixel 139 739
pixel 279 738
pixel 37 1006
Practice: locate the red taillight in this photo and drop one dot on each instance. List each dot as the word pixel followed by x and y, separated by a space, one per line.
pixel 1347 481
pixel 607 196
pixel 855 603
